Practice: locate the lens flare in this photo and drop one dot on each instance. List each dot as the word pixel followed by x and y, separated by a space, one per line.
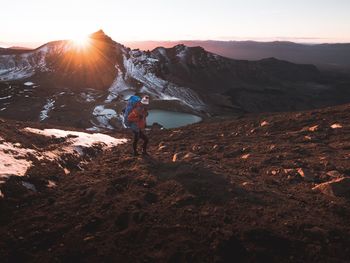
pixel 81 41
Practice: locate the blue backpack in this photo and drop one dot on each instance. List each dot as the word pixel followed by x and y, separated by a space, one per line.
pixel 129 107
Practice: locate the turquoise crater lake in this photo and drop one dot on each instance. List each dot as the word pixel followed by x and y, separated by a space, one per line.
pixel 171 119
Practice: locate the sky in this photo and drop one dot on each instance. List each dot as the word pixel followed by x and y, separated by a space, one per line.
pixel 40 21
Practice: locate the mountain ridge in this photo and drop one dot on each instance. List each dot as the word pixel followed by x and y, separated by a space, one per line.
pixel 327 56
pixel 55 81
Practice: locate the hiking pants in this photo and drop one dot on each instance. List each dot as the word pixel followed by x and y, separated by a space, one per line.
pixel 139 134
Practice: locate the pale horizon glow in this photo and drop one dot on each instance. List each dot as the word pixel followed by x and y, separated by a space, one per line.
pixel 41 21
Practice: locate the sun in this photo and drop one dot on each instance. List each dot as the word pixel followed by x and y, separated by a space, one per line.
pixel 81 41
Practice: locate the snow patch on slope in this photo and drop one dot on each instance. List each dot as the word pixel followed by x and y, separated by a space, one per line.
pixel 87 97
pixel 181 51
pixel 5 98
pixel 28 83
pixel 117 86
pixel 22 66
pixel 14 159
pixel 159 88
pixel 79 140
pixel 16 73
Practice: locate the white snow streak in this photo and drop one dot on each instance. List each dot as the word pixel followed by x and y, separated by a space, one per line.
pixel 117 86
pixel 4 98
pixel 44 114
pixel 28 83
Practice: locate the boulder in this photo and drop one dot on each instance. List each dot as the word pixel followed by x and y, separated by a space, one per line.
pixel 264 123
pixel 247 184
pixel 115 123
pixel 336 126
pixel 196 148
pixel 274 172
pixel 190 156
pixel 338 187
pixel 177 156
pixel 163 147
pixel 306 175
pixel 307 138
pixel 313 128
pixel 88 238
pixel 215 147
pixel 335 174
pixel 157 126
pixel 288 171
pixel 245 156
pixel 184 156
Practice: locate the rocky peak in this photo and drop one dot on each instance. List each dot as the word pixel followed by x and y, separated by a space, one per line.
pixel 102 37
pixel 98 34
pixel 180 47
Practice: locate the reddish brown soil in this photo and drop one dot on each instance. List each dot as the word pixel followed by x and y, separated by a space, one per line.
pixel 211 206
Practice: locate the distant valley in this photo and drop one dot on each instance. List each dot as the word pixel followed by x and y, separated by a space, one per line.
pixel 324 56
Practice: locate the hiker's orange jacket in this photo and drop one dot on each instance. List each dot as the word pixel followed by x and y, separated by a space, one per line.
pixel 138 115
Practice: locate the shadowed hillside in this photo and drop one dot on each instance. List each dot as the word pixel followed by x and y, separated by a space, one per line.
pixel 259 188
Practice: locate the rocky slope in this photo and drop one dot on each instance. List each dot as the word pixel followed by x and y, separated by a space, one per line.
pixel 62 83
pixel 256 188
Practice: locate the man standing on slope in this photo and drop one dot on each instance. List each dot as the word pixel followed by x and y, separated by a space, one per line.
pixel 137 122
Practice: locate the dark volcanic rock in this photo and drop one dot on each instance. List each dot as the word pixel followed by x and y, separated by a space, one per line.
pixel 337 187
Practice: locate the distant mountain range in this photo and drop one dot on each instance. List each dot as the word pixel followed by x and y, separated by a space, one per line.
pixel 324 56
pixel 61 83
